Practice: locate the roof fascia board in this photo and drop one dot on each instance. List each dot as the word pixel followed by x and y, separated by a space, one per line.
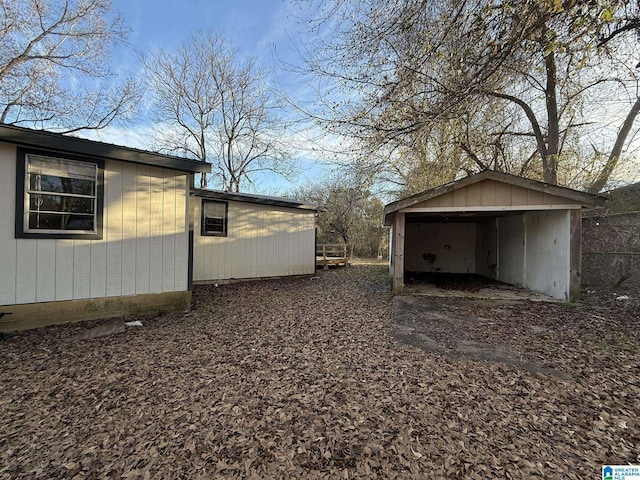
pixel 492 208
pixel 256 199
pixel 42 139
pixel 388 218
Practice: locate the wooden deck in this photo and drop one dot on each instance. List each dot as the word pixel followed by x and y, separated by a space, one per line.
pixel 331 254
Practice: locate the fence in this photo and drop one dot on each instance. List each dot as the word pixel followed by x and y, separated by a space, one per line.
pixel 331 254
pixel 611 250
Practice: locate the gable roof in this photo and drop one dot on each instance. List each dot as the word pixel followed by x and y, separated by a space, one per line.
pixel 258 199
pixel 584 199
pixel 27 137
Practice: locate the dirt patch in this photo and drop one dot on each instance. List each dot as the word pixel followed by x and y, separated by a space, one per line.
pixel 301 379
pixel 431 324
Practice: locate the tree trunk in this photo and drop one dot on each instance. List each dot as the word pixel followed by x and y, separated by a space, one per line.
pixel 203 154
pixel 550 160
pixel 614 157
pixel 541 145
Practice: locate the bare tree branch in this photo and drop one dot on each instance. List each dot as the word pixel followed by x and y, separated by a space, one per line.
pixel 44 46
pixel 217 109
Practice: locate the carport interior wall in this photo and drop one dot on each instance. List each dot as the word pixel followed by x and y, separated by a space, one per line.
pixel 501 226
pixel 529 249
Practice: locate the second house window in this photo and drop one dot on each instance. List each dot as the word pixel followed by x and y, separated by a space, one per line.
pixel 214 218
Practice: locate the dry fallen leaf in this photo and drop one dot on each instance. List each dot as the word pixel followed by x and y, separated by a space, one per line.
pixel 293 378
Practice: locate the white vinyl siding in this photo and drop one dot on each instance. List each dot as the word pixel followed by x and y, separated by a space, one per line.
pixel 262 241
pixel 490 193
pixel 144 248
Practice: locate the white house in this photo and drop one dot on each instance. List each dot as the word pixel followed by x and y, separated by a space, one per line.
pixel 239 236
pixel 89 229
pixel 501 226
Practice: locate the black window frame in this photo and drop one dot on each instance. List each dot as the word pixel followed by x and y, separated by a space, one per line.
pixel 203 230
pixel 22 230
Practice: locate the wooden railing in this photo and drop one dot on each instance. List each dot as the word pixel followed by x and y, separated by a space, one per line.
pixel 331 254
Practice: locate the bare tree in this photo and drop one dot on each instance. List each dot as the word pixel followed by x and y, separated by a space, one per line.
pixel 53 65
pixel 396 70
pixel 216 108
pixel 352 213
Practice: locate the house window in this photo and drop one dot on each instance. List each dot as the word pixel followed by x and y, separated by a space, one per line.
pixel 214 218
pixel 61 197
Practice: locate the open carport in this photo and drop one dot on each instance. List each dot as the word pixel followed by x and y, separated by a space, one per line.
pixel 499 226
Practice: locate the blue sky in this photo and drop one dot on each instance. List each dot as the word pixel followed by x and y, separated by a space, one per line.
pixel 253 26
pixel 261 28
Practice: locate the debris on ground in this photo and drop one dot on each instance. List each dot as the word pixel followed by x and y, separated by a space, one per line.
pixel 102 329
pixel 296 379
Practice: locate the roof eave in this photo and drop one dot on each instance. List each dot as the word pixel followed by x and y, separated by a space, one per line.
pixel 256 199
pixel 80 146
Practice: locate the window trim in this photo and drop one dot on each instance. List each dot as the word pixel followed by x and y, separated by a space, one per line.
pixel 21 194
pixel 203 232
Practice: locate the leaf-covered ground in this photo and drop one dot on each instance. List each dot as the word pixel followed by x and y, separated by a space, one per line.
pixel 301 378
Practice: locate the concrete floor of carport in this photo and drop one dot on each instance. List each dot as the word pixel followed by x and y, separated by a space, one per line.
pixel 467 286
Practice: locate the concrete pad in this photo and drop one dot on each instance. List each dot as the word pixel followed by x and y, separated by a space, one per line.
pixel 445 326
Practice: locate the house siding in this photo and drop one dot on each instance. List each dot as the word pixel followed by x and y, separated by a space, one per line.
pixel 489 193
pixel 262 241
pixel 144 248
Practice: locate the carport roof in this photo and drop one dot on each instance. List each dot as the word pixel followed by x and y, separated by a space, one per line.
pixel 568 195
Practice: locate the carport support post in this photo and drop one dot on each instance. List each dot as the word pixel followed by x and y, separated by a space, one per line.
pixel 575 254
pixel 398 253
